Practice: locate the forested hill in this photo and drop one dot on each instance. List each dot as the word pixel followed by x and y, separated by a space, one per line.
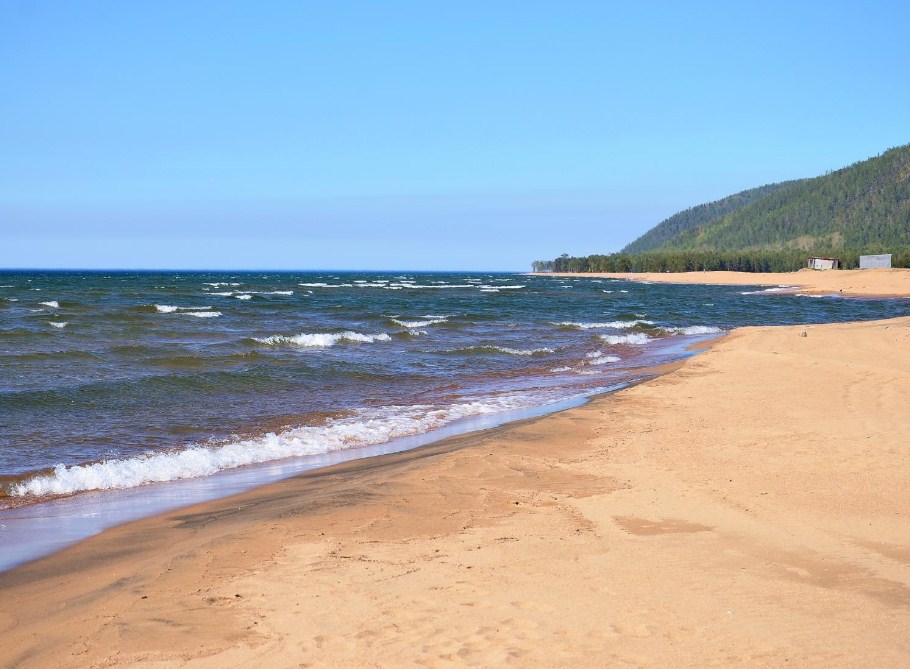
pixel 864 207
pixel 669 229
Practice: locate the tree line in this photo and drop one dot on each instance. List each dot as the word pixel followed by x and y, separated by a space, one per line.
pixel 709 261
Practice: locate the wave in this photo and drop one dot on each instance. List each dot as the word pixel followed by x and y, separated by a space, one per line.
pixel 364 427
pixel 778 289
pixel 202 314
pixel 51 303
pixel 320 284
pixel 322 339
pixel 168 309
pixel 419 324
pixel 502 349
pixel 601 359
pixel 693 330
pixel 614 325
pixel 244 296
pixel 57 324
pixel 632 339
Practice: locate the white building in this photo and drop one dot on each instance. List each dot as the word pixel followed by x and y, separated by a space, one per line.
pixel 870 262
pixel 824 263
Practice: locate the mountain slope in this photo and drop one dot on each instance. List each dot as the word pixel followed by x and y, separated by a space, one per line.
pixel 864 207
pixel 666 231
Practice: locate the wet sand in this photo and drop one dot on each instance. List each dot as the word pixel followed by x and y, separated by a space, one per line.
pixel 751 507
pixel 854 282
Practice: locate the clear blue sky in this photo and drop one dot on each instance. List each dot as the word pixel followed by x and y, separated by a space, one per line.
pixel 417 135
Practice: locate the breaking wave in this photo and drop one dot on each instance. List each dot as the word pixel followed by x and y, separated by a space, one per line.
pixel 364 427
pixel 613 325
pixel 502 349
pixel 322 339
pixel 693 330
pixel 418 324
pixel 631 339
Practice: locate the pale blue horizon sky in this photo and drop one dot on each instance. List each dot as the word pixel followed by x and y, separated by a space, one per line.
pixel 406 135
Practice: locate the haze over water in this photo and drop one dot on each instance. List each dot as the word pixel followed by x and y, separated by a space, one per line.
pixel 118 379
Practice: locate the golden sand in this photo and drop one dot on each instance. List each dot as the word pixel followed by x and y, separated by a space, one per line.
pixel 856 282
pixel 750 508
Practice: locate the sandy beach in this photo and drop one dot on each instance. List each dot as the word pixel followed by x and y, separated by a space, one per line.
pixel 748 508
pixel 859 283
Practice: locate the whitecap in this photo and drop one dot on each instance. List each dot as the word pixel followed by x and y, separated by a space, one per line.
pixel 604 360
pixel 168 309
pixel 51 303
pixel 419 324
pixel 320 284
pixel 322 339
pixel 201 314
pixel 244 296
pixel 632 339
pixel 694 330
pixel 613 325
pixel 57 324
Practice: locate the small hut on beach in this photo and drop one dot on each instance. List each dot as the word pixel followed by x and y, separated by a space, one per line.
pixel 824 263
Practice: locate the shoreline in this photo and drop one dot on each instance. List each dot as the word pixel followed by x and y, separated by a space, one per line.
pixel 37 528
pixel 894 282
pixel 671 522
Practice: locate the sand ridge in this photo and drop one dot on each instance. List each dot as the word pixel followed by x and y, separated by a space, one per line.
pixel 749 508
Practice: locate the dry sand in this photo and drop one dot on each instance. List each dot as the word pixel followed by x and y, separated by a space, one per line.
pixel 857 282
pixel 750 508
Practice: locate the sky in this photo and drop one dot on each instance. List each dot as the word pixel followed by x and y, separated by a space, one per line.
pixel 417 135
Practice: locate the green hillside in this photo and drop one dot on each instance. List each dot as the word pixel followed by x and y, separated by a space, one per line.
pixel 671 228
pixel 864 207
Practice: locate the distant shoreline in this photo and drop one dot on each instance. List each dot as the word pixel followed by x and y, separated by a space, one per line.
pixel 854 283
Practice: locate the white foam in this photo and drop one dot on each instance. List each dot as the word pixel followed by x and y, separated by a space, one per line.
pixel 168 309
pixel 319 284
pixel 489 290
pixel 694 330
pixel 244 296
pixel 363 428
pixel 778 289
pixel 633 339
pixel 419 324
pixel 52 303
pixel 604 360
pixel 57 324
pixel 223 294
pixel 322 339
pixel 218 284
pixel 614 325
pixel 520 351
pixel 201 314
pixel 561 369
